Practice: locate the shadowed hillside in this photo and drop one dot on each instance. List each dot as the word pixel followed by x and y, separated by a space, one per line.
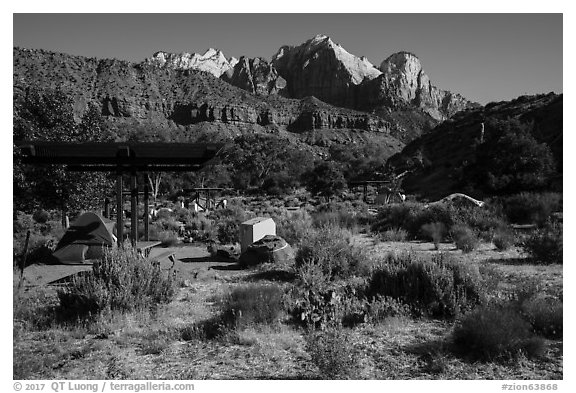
pixel 436 161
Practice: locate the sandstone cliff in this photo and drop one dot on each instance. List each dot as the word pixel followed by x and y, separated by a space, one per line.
pixel 323 69
pixel 404 77
pixel 212 61
pixel 185 102
pixel 256 76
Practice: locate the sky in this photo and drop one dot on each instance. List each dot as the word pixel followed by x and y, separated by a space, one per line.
pixel 484 57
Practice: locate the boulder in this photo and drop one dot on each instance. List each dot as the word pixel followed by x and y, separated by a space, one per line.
pixel 269 249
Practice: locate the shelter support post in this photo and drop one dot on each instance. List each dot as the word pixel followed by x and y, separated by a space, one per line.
pixel 106 208
pixel 146 209
pixel 133 208
pixel 119 210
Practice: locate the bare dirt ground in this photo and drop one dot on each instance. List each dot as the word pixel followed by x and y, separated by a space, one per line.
pixel 136 346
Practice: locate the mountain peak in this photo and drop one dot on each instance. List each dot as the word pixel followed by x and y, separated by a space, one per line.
pixel 319 39
pixel 321 55
pixel 212 61
pixel 401 61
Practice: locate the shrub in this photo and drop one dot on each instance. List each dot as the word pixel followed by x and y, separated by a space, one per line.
pixel 331 304
pixel 228 223
pixel 168 224
pixel 122 280
pixel 168 238
pixel 464 238
pixel 200 228
pixel 436 231
pixel 340 218
pixel 489 333
pixel 545 316
pixel 331 249
pixel 438 287
pixel 294 227
pixel 413 217
pixel 396 216
pixel 545 245
pixel 311 274
pixel 228 231
pixel 40 247
pixel 252 305
pixel 394 235
pixel 484 221
pixel 382 307
pixel 184 215
pixel 332 352
pixel 40 216
pixel 445 213
pixel 163 214
pixel 504 239
pixel 529 207
pixel 33 311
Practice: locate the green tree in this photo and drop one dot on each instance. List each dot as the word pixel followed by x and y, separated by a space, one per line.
pixel 49 116
pixel 510 160
pixel 325 179
pixel 258 159
pixel 360 162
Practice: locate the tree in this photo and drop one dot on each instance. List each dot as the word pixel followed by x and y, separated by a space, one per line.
pixel 48 116
pixel 259 158
pixel 360 162
pixel 154 179
pixel 510 160
pixel 325 179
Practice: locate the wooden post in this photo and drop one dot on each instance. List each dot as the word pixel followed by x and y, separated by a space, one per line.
pixel 119 210
pixel 133 208
pixel 106 207
pixel 146 208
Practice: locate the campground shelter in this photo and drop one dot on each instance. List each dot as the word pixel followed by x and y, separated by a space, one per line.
pixel 122 158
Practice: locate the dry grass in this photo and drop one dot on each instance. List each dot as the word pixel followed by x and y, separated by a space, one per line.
pixel 149 345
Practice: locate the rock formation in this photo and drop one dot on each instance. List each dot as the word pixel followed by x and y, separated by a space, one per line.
pixel 323 69
pixel 256 76
pixel 403 77
pixel 169 99
pixel 212 61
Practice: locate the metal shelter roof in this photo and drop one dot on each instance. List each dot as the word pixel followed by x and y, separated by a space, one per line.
pixel 121 156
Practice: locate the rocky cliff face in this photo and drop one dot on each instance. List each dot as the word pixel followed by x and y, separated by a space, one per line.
pixel 404 77
pixel 257 76
pixel 212 61
pixel 157 96
pixel 323 69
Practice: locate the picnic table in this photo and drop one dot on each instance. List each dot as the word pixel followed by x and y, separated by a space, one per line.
pixel 144 248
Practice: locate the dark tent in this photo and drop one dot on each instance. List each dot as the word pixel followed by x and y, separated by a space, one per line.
pixel 85 240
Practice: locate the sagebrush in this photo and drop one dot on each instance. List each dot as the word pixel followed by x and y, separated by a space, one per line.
pixel 492 332
pixel 331 248
pixel 438 286
pixel 122 280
